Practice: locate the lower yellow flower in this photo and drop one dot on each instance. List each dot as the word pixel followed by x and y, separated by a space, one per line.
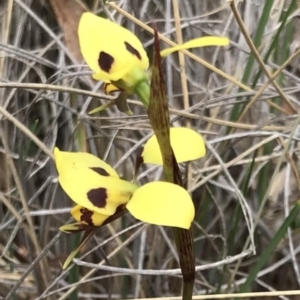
pixel 99 192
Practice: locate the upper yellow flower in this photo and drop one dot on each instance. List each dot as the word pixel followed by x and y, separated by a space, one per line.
pixel 111 51
pixel 117 56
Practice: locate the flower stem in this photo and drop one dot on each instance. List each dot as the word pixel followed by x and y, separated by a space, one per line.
pixel 159 118
pixel 142 89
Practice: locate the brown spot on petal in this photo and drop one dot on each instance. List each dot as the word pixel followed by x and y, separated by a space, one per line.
pixel 98 197
pixel 133 50
pixel 86 216
pixel 105 61
pixel 100 171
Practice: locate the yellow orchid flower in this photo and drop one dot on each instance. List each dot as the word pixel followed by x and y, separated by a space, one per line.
pixel 82 175
pixel 99 192
pixel 114 54
pixel 117 57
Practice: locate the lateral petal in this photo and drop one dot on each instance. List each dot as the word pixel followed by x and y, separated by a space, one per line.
pixel 186 143
pixel 198 42
pixel 162 203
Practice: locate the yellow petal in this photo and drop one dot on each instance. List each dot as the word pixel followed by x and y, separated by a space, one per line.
pixel 67 160
pixel 112 76
pixel 110 88
pixel 88 181
pixel 83 215
pixel 187 145
pixel 198 42
pixel 162 203
pixel 109 49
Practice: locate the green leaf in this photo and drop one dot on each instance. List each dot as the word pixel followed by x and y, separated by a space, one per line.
pixel 238 108
pixel 264 257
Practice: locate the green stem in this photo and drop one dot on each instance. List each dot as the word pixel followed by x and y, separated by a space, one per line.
pixel 264 257
pixel 142 89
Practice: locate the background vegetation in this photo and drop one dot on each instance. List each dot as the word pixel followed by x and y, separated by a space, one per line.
pixel 245 191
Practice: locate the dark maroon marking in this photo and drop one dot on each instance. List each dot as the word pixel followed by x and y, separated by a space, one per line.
pixel 105 61
pixel 86 216
pixel 98 197
pixel 100 171
pixel 139 160
pixel 133 50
